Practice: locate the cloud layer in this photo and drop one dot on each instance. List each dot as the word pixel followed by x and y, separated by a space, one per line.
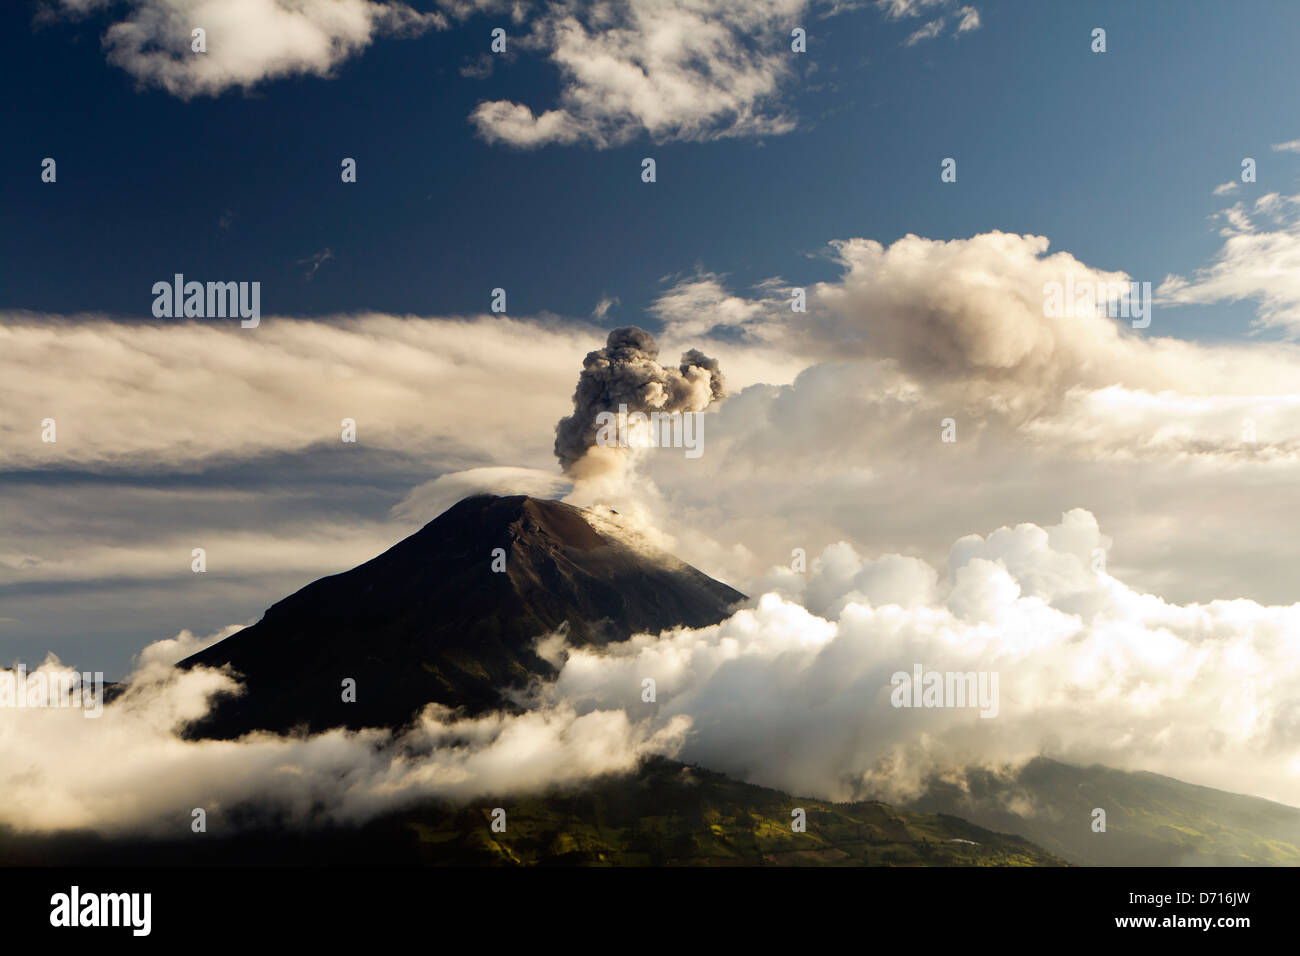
pixel 794 692
pixel 1090 670
pixel 926 340
pixel 127 771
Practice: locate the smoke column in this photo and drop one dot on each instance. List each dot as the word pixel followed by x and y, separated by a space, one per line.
pixel 627 372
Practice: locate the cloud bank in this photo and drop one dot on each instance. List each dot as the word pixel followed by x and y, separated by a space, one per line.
pixel 128 772
pixel 794 692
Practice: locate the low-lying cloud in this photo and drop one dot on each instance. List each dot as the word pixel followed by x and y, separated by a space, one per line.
pixel 131 772
pixel 793 692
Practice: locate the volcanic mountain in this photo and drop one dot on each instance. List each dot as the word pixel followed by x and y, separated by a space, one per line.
pixel 430 620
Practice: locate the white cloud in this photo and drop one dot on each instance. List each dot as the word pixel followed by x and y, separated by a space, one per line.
pixel 845 460
pixel 832 433
pixel 68 556
pixel 1290 146
pixel 127 771
pixel 1255 263
pixel 248 41
pixel 700 304
pixel 927 32
pixel 898 9
pixel 1088 669
pixel 432 498
pixel 173 650
pixel 970 20
pixel 177 435
pixel 602 308
pixel 1051 414
pixel 967 17
pixel 695 70
pixel 180 393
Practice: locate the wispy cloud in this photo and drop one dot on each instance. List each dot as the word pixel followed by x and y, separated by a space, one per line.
pixel 967 17
pixel 316 260
pixel 1259 259
pixel 603 306
pixel 927 32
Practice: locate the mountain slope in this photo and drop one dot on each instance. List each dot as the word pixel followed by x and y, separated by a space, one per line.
pixel 1151 820
pixel 672 814
pixel 429 620
pixel 664 814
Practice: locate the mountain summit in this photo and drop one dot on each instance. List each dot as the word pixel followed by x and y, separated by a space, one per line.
pixel 429 620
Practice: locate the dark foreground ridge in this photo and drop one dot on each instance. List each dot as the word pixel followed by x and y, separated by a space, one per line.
pixel 664 814
pixel 430 621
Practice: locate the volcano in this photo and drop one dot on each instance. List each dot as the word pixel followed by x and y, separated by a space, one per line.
pixel 430 620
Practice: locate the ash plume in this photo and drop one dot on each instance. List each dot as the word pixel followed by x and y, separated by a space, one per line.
pixel 627 372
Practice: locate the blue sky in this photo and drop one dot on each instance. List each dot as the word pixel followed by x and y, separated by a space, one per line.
pixel 1112 156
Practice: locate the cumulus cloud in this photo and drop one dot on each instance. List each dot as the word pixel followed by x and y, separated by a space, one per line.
pixel 1049 413
pixel 690 71
pixel 970 310
pixel 969 314
pixel 1089 670
pixel 247 42
pixel 694 71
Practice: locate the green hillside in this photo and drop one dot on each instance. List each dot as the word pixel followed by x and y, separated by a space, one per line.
pixel 1151 820
pixel 669 814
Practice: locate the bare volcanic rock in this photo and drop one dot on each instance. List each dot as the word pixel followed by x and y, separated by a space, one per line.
pixel 429 620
